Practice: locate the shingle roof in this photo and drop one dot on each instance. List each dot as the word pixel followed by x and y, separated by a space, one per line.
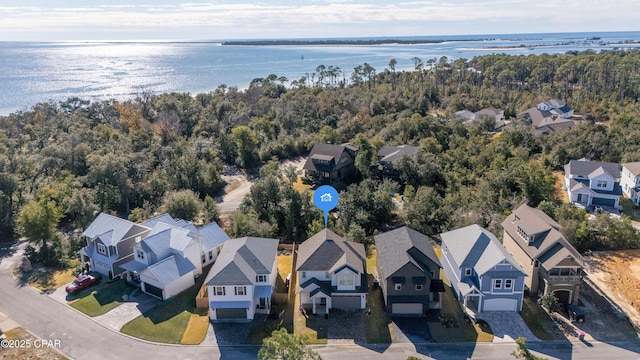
pixel 169 269
pixel 328 152
pixel 534 221
pixel 633 167
pixel 326 251
pixel 242 259
pixel 490 111
pixel 584 167
pixel 401 246
pixel 476 247
pixel 118 228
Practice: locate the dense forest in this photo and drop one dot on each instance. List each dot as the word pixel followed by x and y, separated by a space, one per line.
pixel 61 163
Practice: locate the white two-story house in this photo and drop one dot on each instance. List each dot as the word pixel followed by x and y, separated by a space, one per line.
pixel 331 273
pixel 242 279
pixel 630 181
pixel 592 183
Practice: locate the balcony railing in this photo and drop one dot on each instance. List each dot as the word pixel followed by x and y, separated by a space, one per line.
pixel 562 279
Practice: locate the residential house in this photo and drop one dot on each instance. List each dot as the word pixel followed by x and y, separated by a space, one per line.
pixel 242 279
pixel 110 243
pixel 482 273
pixel 592 183
pixel 331 273
pixel 387 156
pixel 553 128
pixel 552 264
pixel 630 181
pixel 328 162
pixel 495 114
pixel 166 261
pixel 409 272
pixel 550 111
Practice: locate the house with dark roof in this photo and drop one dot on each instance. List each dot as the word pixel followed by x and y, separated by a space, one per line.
pixel 387 156
pixel 332 273
pixel 242 279
pixel 482 273
pixel 409 272
pixel 329 162
pixel 110 242
pixel 552 264
pixel 593 183
pixel 494 114
pixel 550 111
pixel 630 181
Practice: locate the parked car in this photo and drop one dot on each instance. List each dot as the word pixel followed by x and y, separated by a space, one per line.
pixel 83 282
pixel 574 313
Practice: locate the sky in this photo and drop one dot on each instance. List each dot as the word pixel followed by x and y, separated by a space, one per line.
pixel 69 20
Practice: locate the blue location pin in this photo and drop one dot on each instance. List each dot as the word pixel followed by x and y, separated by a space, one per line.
pixel 326 199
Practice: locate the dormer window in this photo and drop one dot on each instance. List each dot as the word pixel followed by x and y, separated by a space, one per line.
pixel 140 254
pixel 524 235
pixel 601 184
pixel 467 272
pixel 102 249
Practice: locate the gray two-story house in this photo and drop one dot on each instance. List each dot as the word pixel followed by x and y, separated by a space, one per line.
pixel 552 264
pixel 482 273
pixel 409 272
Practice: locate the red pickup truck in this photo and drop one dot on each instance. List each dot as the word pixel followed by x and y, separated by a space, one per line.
pixel 82 282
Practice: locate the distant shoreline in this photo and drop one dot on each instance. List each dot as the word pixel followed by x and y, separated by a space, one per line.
pixel 336 42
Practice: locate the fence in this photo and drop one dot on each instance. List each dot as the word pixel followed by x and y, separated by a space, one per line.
pixel 202 299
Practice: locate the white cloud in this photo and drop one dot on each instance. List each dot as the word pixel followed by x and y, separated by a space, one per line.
pixel 319 18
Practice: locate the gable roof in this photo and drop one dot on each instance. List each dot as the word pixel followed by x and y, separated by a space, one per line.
pixel 401 246
pixel 633 167
pixel 490 111
pixel 392 153
pixel 169 269
pixel 328 152
pixel 584 167
pixel 326 251
pixel 241 260
pixel 547 234
pixel 112 229
pixel 553 128
pixel 475 246
pixel 165 218
pixel 212 236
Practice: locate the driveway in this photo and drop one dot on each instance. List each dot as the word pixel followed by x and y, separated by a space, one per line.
pixel 232 332
pixel 346 327
pixel 411 330
pixel 506 325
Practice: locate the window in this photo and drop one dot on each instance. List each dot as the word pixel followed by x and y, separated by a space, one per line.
pixel 140 254
pixel 210 255
pixel 346 280
pixel 102 249
pixel 218 291
pixel 467 272
pixel 261 278
pixel 601 183
pixel 508 283
pixel 536 263
pixel 304 274
pixel 204 258
pixel 241 290
pixel 398 286
pixel 497 283
pixel 418 287
pixel 433 274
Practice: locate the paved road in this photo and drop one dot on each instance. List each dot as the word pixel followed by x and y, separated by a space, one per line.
pixel 83 338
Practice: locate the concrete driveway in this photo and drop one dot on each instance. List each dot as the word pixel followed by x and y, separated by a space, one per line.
pixel 411 330
pixel 506 325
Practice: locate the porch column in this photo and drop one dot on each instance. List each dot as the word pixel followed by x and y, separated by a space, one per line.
pixel 314 305
pixel 465 304
pixel 82 258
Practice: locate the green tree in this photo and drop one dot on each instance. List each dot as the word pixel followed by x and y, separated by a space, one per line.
pixel 37 221
pixel 182 204
pixel 548 302
pixel 284 346
pixel 521 352
pixel 247 146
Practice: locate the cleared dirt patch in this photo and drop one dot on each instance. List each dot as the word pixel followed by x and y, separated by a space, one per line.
pixel 614 273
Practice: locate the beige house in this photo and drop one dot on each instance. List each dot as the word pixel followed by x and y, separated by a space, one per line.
pixel 552 264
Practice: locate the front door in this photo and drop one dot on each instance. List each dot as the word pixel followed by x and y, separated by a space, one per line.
pixel 263 303
pixel 323 301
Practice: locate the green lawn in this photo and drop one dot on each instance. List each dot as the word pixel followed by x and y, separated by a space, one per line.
pixel 167 321
pixel 539 321
pixel 377 323
pixel 103 299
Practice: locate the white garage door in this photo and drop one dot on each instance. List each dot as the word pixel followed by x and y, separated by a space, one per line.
pixel 500 305
pixel 409 308
pixel 100 267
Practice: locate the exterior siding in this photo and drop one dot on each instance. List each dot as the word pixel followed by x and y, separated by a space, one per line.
pixel 408 293
pixel 524 260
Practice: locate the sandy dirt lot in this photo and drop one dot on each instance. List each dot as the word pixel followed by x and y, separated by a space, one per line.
pixel 617 274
